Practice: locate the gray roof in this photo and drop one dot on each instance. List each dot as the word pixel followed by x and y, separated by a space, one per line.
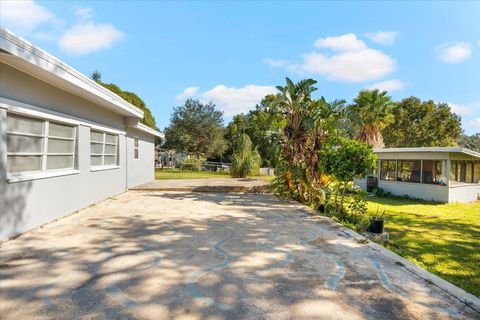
pixel 429 149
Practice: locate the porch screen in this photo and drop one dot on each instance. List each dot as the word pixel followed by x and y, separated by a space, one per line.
pixel 409 170
pixel 432 171
pixel 37 145
pixel 465 171
pixel 387 170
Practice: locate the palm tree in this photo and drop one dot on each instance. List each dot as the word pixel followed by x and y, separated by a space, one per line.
pixel 370 113
pixel 245 158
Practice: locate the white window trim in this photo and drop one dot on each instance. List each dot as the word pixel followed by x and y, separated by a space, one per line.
pixel 137 147
pixel 29 110
pixel 103 166
pixel 44 172
pixel 26 176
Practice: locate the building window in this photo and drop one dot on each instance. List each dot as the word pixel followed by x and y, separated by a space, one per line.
pixel 409 170
pixel 103 149
pixel 135 148
pixel 432 172
pixel 387 170
pixel 39 145
pixel 465 171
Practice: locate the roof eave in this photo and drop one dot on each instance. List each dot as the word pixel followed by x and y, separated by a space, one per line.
pixel 41 60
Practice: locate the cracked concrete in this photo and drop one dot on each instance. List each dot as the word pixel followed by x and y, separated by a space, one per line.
pixel 181 255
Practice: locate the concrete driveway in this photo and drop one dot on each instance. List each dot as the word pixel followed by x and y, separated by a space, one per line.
pixel 172 255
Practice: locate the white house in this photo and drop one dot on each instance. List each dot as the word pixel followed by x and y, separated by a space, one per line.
pixel 437 174
pixel 65 141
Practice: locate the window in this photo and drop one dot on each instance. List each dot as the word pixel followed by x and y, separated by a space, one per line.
pixel 387 170
pixel 135 148
pixel 432 171
pixel 103 149
pixel 465 171
pixel 39 145
pixel 409 170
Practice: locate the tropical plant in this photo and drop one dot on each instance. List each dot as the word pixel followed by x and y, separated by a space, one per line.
pixel 245 158
pixel 371 112
pixel 309 124
pixel 263 125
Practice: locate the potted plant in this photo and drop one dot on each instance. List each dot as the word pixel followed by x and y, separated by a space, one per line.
pixel 377 222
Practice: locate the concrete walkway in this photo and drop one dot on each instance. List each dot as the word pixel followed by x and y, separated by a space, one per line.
pixel 174 255
pixel 222 185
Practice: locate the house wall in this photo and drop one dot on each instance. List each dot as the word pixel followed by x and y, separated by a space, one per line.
pixel 27 204
pixel 464 193
pixel 140 170
pixel 430 192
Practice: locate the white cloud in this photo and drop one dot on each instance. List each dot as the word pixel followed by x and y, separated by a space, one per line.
pixel 352 60
pixel 230 99
pixel 84 13
pixel 476 122
pixel 382 37
pixel 354 66
pixel 187 93
pixel 388 85
pixel 276 63
pixel 24 16
pixel 461 109
pixel 89 37
pixel 236 100
pixel 346 42
pixel 454 53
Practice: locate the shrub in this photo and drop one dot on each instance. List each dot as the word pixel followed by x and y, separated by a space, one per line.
pixel 245 158
pixel 192 164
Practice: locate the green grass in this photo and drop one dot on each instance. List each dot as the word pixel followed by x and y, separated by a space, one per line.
pixel 441 238
pixel 176 174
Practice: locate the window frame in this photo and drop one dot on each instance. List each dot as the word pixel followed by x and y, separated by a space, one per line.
pixel 381 169
pixel 44 154
pixel 104 143
pixel 136 149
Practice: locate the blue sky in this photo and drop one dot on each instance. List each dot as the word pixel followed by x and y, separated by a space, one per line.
pixel 236 52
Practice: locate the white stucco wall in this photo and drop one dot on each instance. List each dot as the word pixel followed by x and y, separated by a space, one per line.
pixel 464 193
pixel 430 192
pixel 140 170
pixel 361 183
pixel 27 204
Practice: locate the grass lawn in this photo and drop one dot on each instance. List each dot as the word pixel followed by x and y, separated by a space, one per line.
pixel 441 238
pixel 176 174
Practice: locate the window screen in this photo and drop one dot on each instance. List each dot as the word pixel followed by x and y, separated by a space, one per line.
pixel 103 149
pixel 36 145
pixel 432 171
pixel 135 148
pixel 387 170
pixel 409 170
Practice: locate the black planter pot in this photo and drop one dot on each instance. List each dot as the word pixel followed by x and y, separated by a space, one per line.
pixel 321 208
pixel 376 226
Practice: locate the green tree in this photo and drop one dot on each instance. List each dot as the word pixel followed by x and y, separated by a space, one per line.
pixel 264 127
pixel 422 124
pixel 371 112
pixel 196 128
pixel 470 142
pixel 130 97
pixel 345 160
pixel 245 158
